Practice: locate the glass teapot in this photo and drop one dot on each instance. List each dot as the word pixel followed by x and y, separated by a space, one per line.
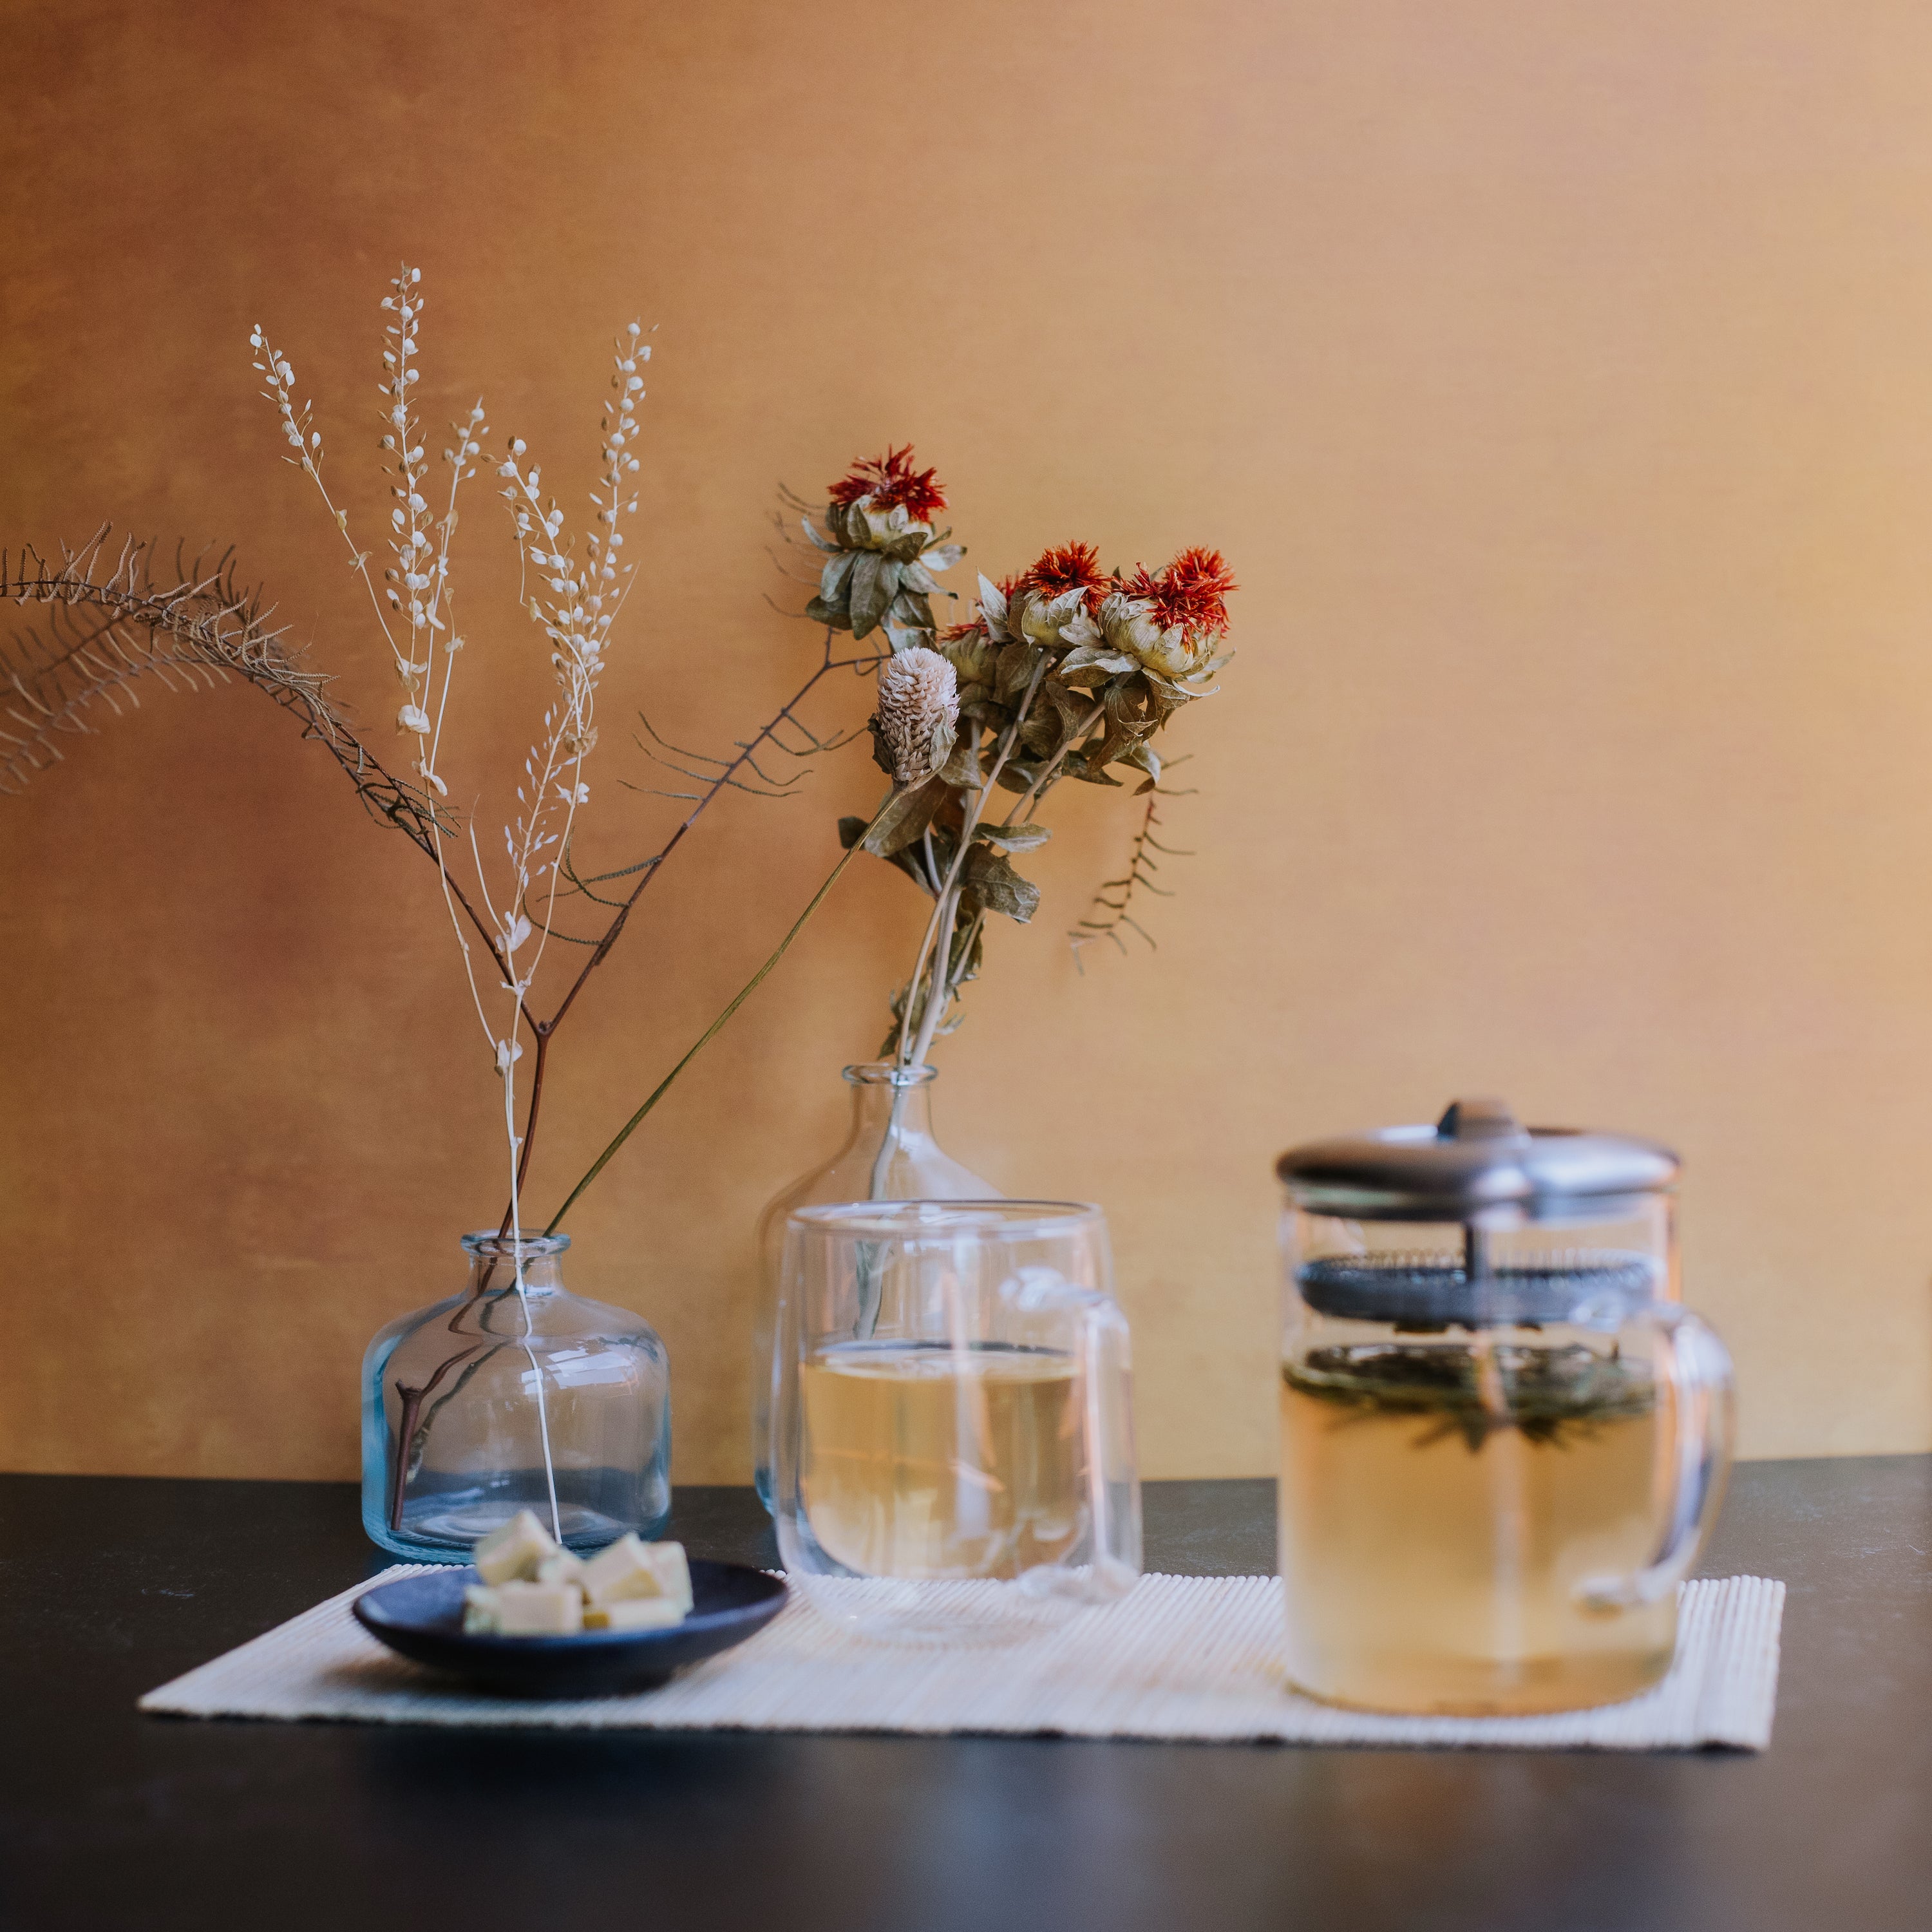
pixel 1503 1443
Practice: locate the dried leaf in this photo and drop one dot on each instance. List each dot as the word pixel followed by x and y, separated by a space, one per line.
pixel 961 770
pixel 1015 669
pixel 998 887
pixel 908 858
pixel 1088 657
pixel 864 597
pixel 908 814
pixel 1023 838
pixel 1088 771
pixel 912 610
pixel 831 578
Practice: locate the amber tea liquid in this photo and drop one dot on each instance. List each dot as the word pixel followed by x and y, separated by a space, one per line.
pixel 1430 1553
pixel 923 1461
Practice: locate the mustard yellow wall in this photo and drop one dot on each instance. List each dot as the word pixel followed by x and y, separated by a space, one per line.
pixel 1558 377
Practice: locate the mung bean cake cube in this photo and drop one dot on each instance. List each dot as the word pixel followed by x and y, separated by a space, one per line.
pixel 565 1567
pixel 633 1613
pixel 539 1610
pixel 512 1552
pixel 631 1568
pixel 480 1613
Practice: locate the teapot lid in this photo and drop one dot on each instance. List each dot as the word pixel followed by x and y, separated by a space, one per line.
pixel 1478 1157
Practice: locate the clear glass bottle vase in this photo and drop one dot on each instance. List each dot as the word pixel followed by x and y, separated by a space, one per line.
pixel 889 1155
pixel 514 1394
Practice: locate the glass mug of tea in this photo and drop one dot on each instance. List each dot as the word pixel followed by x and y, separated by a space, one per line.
pixel 951 1440
pixel 1503 1443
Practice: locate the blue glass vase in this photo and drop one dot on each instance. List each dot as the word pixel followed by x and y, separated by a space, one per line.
pixel 515 1394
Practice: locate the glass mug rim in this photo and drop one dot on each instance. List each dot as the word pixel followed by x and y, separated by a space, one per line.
pixel 945 1220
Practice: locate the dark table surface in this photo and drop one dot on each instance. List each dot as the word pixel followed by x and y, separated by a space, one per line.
pixel 108 1819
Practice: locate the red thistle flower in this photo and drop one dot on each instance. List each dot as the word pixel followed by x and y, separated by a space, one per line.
pixel 891 480
pixel 1074 566
pixel 1191 592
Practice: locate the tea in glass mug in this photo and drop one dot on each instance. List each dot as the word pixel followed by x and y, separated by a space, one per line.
pixel 1503 1443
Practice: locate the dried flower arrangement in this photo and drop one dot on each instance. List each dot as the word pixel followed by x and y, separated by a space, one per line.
pixel 1065 671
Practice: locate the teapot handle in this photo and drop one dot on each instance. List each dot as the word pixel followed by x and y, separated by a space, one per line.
pixel 1698 1454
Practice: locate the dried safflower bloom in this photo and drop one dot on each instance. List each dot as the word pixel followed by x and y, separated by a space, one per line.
pixel 1074 566
pixel 1061 589
pixel 1191 592
pixel 918 714
pixel 890 481
pixel 1169 621
pixel 882 550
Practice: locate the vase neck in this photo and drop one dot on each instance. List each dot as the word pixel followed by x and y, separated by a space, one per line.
pixel 498 1276
pixel 889 1104
pixel 499 1263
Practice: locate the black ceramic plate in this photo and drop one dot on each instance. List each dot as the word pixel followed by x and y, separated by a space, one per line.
pixel 421 1617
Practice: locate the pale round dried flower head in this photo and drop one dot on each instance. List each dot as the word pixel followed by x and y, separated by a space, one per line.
pixel 918 713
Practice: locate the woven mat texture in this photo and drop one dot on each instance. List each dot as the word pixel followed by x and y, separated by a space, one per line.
pixel 1181 1657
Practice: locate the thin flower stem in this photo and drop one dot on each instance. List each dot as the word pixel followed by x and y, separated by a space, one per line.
pixel 766 733
pixel 1030 801
pixel 1037 790
pixel 711 1032
pixel 536 1101
pixel 523 1302
pixel 654 865
pixel 962 953
pixel 441 596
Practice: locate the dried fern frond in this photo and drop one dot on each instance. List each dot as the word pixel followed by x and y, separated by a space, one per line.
pixel 1107 917
pixel 112 620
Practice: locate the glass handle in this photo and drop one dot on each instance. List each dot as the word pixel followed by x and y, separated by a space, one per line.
pixel 1097 1334
pixel 1113 1499
pixel 1697 1455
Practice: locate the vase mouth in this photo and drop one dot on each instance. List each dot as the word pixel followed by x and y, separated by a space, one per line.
pixel 486 1244
pixel 889 1073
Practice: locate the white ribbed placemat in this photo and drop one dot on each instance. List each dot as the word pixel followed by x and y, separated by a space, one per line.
pixel 1182 1656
